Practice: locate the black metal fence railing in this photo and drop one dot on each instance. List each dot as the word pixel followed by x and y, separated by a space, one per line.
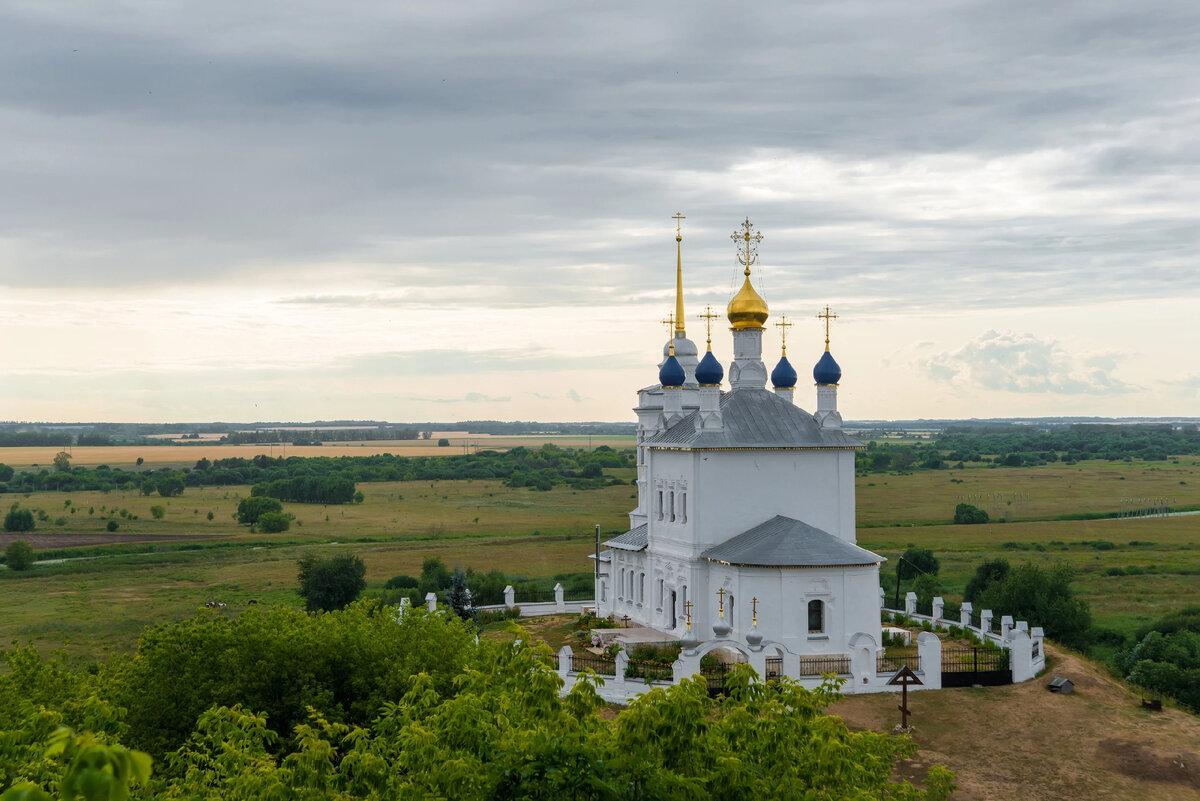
pixel 581 594
pixel 532 595
pixel 952 612
pixel 650 671
pixel 967 659
pixel 597 664
pixel 820 665
pixel 774 667
pixel 890 662
pixel 714 677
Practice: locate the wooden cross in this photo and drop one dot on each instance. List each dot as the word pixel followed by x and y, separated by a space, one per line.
pixel 904 677
pixel 783 326
pixel 708 317
pixel 827 316
pixel 747 244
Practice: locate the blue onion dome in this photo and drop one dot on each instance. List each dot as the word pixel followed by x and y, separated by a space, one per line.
pixel 784 375
pixel 827 372
pixel 671 373
pixel 709 372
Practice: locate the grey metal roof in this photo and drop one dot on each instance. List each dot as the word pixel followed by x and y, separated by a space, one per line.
pixel 786 542
pixel 754 418
pixel 633 540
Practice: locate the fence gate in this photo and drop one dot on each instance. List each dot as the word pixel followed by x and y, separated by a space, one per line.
pixel 966 666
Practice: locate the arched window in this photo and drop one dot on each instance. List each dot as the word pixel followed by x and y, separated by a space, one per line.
pixel 816 617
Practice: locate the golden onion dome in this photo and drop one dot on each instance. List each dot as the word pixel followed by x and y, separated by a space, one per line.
pixel 747 309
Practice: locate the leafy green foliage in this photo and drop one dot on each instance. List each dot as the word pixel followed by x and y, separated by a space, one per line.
pixel 459 596
pixel 273 522
pixel 916 561
pixel 19 519
pixel 1043 597
pixel 1166 658
pixel 308 489
pixel 249 509
pixel 333 583
pixel 992 570
pixel 19 555
pixel 965 513
pixel 158 512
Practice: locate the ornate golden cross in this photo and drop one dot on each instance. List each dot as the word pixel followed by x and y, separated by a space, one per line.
pixel 754 610
pixel 783 325
pixel 677 218
pixel 827 316
pixel 670 324
pixel 687 609
pixel 721 602
pixel 708 317
pixel 747 244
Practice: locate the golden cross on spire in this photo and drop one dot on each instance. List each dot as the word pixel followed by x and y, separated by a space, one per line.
pixel 677 218
pixel 721 602
pixel 827 316
pixel 783 326
pixel 708 317
pixel 747 244
pixel 670 324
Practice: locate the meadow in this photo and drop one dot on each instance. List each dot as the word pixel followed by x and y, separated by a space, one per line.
pixel 1131 570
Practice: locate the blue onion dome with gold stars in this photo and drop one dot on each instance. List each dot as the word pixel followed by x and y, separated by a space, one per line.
pixel 709 372
pixel 827 372
pixel 671 373
pixel 784 375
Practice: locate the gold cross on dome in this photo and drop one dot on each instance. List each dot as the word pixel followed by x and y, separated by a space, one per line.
pixel 677 218
pixel 670 324
pixel 783 325
pixel 754 609
pixel 687 608
pixel 708 317
pixel 747 244
pixel 827 316
pixel 721 602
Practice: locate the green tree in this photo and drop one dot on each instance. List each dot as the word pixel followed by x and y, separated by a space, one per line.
pixel 18 555
pixel 170 485
pixel 985 575
pixel 62 462
pixel 19 519
pixel 927 586
pixel 273 522
pixel 915 561
pixel 435 576
pixel 1043 597
pixel 443 443
pixel 250 509
pixel 334 583
pixel 459 597
pixel 965 513
pixel 158 512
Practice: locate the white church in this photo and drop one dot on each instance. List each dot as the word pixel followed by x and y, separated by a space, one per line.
pixel 744 531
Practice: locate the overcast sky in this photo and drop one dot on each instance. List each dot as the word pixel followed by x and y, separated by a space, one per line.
pixel 411 211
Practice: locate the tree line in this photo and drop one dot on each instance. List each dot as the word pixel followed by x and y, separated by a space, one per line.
pixel 540 468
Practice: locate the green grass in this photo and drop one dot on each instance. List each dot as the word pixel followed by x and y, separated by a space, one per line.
pixel 96 607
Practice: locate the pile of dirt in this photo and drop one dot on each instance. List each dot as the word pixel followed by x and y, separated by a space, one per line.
pixel 1022 741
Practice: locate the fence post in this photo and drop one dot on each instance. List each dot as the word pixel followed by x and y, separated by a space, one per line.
pixel 939 604
pixel 910 603
pixel 929 648
pixel 565 655
pixel 559 605
pixel 882 598
pixel 1023 626
pixel 622 661
pixel 1020 655
pixel 405 605
pixel 1006 626
pixel 985 621
pixel 964 614
pixel 1039 647
pixel 431 601
pixel 510 597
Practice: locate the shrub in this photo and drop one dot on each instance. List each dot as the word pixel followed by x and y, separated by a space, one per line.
pixel 112 525
pixel 273 522
pixel 158 512
pixel 19 519
pixel 966 514
pixel 18 555
pixel 251 509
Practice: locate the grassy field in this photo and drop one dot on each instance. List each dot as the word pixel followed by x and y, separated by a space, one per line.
pixel 1130 570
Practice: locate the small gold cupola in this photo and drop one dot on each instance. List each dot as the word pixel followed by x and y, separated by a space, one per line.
pixel 747 309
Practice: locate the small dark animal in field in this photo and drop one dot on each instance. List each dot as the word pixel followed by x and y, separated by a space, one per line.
pixel 252 601
pixel 214 605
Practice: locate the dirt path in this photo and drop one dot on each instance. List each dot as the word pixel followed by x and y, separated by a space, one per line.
pixel 42 542
pixel 1023 742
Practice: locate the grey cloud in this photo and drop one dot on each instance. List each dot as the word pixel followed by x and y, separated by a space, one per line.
pixel 572 395
pixel 1023 363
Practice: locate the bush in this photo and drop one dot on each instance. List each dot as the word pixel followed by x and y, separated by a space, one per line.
pixel 330 584
pixel 112 525
pixel 273 522
pixel 19 519
pixel 400 582
pixel 18 555
pixel 250 509
pixel 965 514
pixel 158 512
